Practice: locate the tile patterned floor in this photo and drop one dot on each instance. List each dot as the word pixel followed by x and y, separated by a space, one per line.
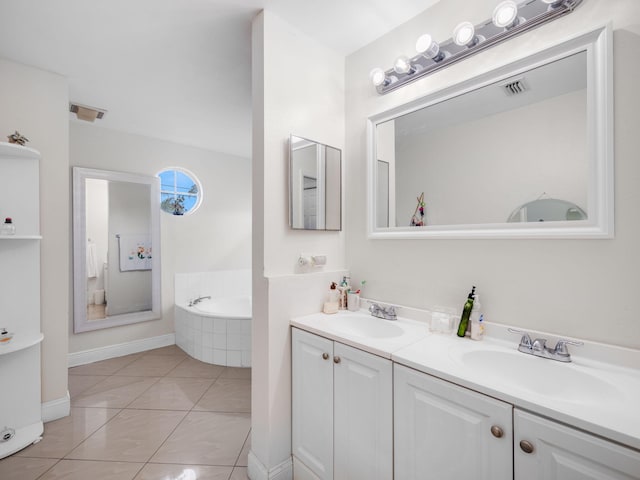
pixel 157 415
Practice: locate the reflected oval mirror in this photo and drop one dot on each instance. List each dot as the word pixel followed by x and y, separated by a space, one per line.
pixel 458 163
pixel 116 249
pixel 547 210
pixel 315 193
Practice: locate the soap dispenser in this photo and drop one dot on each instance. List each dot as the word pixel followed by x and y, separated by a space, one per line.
pixel 344 288
pixel 466 313
pixel 476 320
pixel 331 305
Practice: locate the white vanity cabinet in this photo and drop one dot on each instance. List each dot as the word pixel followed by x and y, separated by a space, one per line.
pixel 444 431
pixel 547 450
pixel 20 402
pixel 342 411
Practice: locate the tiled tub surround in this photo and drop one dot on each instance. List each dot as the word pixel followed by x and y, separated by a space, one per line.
pixel 604 413
pixel 203 331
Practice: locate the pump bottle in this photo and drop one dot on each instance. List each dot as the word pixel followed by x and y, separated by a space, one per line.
pixel 466 312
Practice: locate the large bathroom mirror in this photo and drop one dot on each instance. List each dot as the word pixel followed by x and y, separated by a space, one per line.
pixel 522 151
pixel 315 193
pixel 116 249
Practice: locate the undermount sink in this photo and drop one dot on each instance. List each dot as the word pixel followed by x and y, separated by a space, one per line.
pixel 367 326
pixel 563 381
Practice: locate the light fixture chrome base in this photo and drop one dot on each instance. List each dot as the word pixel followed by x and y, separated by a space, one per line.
pixel 531 14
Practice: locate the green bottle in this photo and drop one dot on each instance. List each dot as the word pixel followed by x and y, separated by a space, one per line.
pixel 466 312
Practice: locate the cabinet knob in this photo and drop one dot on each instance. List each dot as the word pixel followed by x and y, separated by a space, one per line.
pixel 325 356
pixel 497 431
pixel 336 359
pixel 527 447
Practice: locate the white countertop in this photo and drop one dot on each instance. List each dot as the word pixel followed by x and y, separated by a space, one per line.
pixel 334 327
pixel 601 398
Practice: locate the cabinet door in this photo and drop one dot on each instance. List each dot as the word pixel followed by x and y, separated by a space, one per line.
pixel 363 420
pixel 443 431
pixel 312 397
pixel 558 452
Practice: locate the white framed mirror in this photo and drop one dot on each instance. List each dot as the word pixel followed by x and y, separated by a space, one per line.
pixel 459 162
pixel 315 185
pixel 116 249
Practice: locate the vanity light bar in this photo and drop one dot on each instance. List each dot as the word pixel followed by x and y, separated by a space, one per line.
pixel 433 55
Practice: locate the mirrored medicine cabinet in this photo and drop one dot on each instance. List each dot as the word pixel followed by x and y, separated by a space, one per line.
pixel 315 185
pixel 524 151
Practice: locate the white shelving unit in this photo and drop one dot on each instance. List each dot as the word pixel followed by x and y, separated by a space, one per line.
pixel 20 402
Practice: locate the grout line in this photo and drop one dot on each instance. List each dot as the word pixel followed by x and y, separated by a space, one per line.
pixel 185 413
pixel 241 449
pixel 49 469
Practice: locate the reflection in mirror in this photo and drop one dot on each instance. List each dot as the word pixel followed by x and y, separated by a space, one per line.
pixel 479 155
pixel 547 210
pixel 482 149
pixel 315 185
pixel 382 198
pixel 116 249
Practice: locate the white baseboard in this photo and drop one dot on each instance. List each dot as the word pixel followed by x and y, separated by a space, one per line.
pixel 119 350
pixel 302 472
pixel 258 471
pixel 55 409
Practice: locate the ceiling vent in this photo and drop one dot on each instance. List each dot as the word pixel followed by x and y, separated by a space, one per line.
pixel 514 87
pixel 86 113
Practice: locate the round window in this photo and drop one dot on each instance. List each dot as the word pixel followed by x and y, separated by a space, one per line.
pixel 180 191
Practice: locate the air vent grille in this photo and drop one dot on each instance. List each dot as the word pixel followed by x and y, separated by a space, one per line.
pixel 86 113
pixel 514 87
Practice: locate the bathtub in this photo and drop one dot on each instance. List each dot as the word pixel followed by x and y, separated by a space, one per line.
pixel 230 308
pixel 216 330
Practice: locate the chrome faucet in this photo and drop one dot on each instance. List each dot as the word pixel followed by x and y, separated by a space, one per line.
pixel 195 301
pixel 538 347
pixel 387 313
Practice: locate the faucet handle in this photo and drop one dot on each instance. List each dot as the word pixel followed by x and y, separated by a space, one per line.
pixel 525 341
pixel 561 346
pixel 539 345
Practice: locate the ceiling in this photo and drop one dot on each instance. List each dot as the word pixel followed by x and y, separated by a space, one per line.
pixel 154 65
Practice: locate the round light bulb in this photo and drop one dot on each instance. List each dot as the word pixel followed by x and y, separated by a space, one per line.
pixel 427 46
pixel 505 14
pixel 378 77
pixel 464 34
pixel 403 65
pixel 553 3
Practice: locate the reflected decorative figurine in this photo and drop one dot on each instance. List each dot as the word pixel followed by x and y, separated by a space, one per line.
pixel 417 220
pixel 15 137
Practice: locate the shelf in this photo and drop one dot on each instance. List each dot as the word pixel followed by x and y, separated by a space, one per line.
pixel 20 342
pixel 12 150
pixel 20 237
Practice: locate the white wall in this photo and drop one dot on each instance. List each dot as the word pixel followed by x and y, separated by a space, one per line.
pixel 304 98
pixel 35 102
pixel 584 288
pixel 216 237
